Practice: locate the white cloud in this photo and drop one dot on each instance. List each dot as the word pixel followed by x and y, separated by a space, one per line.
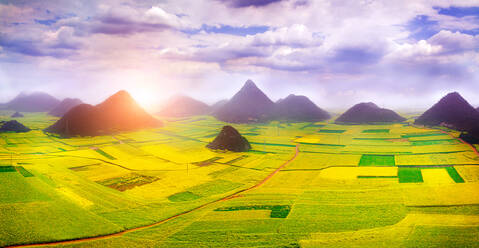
pixel 455 41
pixel 414 50
pixel 295 35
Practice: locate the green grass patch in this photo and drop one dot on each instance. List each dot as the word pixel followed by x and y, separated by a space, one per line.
pixel 127 182
pixel 454 175
pixel 82 168
pixel 272 144
pixel 344 217
pixel 250 134
pixel 183 196
pixel 260 152
pixel 210 188
pixel 409 175
pixel 321 144
pixel 443 236
pixel 255 129
pixel 237 159
pixel 207 162
pixel 331 131
pixel 377 160
pixel 106 155
pixel 15 188
pixel 277 211
pixel 23 171
pixel 211 135
pixel 7 169
pixel 214 187
pixel 461 209
pixel 223 172
pixel 376 131
pixel 415 135
pixel 312 125
pixel 433 142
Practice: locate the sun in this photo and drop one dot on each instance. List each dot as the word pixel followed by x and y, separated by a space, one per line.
pixel 145 98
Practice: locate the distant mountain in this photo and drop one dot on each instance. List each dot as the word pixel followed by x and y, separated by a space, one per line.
pixel 230 139
pixel 455 112
pixel 13 126
pixel 182 106
pixel 17 115
pixel 299 108
pixel 119 112
pixel 452 111
pixel 64 106
pixel 363 113
pixel 249 104
pixel 34 102
pixel 217 105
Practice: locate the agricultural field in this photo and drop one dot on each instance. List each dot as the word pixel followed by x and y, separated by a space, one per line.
pixel 301 185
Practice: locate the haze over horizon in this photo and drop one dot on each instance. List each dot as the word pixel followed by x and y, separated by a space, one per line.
pixel 400 55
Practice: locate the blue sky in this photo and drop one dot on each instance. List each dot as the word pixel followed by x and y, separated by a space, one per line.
pixel 399 54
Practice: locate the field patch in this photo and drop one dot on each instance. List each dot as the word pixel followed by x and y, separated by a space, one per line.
pixel 214 187
pixel 23 171
pixel 454 175
pixel 468 173
pixel 409 175
pixel 331 131
pixel 7 169
pixel 312 125
pixel 128 181
pixel 210 188
pixel 351 173
pixel 277 211
pixel 271 144
pixel 436 176
pixel 434 142
pixel 74 197
pixel 15 188
pixel 83 167
pixel 106 155
pixel 183 196
pixel 250 134
pixel 377 160
pixel 207 162
pixel 376 131
pixel 426 134
pixel 236 159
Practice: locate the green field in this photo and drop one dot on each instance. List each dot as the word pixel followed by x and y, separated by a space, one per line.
pixel 388 185
pixel 377 160
pixel 409 175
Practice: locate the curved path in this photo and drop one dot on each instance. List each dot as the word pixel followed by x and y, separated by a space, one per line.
pixel 118 234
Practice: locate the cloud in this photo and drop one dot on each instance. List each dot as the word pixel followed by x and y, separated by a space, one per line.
pixel 249 3
pixel 274 48
pixel 60 43
pixel 416 50
pixel 296 35
pixel 126 20
pixel 454 42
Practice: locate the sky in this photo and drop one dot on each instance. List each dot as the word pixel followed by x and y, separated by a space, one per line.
pixel 398 54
